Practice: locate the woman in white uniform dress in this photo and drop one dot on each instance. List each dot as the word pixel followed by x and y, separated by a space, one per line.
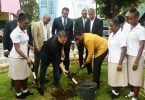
pixel 18 60
pixel 135 46
pixel 117 61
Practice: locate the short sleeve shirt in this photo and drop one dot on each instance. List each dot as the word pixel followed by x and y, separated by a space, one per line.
pixel 115 43
pixel 135 35
pixel 21 37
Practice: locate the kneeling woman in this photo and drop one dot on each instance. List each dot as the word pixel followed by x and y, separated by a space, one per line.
pixel 19 61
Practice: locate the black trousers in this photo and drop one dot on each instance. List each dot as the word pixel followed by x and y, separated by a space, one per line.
pixel 81 52
pixel 45 62
pixel 97 67
pixel 89 65
pixel 36 62
pixel 67 51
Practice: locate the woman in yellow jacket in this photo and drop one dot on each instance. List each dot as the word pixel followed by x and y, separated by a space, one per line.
pixel 97 50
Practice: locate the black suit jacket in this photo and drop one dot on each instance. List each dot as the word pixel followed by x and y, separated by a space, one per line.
pixel 97 27
pixel 58 25
pixel 9 27
pixel 79 24
pixel 51 50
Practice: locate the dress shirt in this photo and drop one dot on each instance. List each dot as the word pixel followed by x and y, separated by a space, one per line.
pixel 64 20
pixel 91 24
pixel 45 31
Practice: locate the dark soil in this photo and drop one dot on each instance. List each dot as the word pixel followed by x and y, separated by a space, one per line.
pixel 60 94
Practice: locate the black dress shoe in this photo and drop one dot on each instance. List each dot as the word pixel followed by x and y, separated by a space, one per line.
pixel 46 80
pixel 58 86
pixel 40 90
pixel 89 73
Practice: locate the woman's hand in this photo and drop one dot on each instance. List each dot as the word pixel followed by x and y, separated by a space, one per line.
pixel 135 67
pixel 119 67
pixel 29 61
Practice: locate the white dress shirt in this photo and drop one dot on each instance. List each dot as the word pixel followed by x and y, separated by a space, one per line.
pixel 91 25
pixel 45 31
pixel 64 22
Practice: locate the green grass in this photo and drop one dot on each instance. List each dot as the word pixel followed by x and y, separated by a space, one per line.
pixel 68 86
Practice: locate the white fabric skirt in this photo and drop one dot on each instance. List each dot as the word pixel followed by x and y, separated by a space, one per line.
pixel 117 78
pixel 135 77
pixel 18 69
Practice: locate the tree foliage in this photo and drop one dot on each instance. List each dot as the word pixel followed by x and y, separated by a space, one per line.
pixel 110 8
pixel 31 8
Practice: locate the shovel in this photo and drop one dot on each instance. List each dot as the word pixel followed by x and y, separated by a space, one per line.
pixel 39 89
pixel 71 75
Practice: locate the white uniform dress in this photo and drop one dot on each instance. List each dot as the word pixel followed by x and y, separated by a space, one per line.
pixel 134 37
pixel 18 67
pixel 116 78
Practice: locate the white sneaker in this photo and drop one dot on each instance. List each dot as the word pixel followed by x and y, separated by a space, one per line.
pixel 130 94
pixel 133 98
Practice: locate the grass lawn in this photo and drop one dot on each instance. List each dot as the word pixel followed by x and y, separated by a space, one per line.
pixel 69 91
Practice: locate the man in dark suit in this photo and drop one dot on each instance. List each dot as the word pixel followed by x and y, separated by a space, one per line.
pixel 95 26
pixel 64 23
pixel 80 25
pixel 51 52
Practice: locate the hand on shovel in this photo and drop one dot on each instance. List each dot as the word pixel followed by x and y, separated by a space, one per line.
pixel 71 76
pixel 62 66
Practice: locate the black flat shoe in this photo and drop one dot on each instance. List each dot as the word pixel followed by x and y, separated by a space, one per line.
pixel 113 96
pixel 21 97
pixel 27 94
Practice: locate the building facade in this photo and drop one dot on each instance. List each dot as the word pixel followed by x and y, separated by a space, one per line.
pixel 54 7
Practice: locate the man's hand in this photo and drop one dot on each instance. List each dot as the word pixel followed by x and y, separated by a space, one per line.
pixel 65 72
pixel 62 66
pixel 135 67
pixel 6 53
pixel 37 50
pixel 85 65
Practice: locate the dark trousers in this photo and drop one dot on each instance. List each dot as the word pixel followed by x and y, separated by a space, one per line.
pixel 36 62
pixel 81 52
pixel 43 69
pixel 89 65
pixel 97 67
pixel 67 51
